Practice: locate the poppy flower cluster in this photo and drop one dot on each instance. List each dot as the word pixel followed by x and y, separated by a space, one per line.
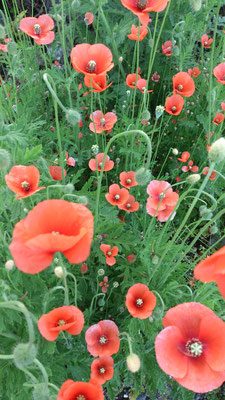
pixel 135 80
pixel 23 180
pixel 52 225
pixel 140 301
pixel 191 347
pixel 40 29
pixel 183 85
pixel 162 200
pixel 121 197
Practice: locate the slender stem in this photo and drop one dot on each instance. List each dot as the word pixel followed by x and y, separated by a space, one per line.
pixel 43 371
pixel 6 356
pixel 128 339
pixel 75 287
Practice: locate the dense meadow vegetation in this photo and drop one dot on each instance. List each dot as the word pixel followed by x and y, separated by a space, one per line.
pixel 112 198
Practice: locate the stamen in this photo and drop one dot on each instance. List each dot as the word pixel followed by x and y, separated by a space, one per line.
pixel 25 186
pixel 103 340
pixel 128 181
pixel 55 233
pixel 102 370
pixel 61 322
pixel 174 108
pixel 194 347
pixel 117 197
pixel 37 29
pixel 139 302
pixel 180 87
pixel 81 397
pixel 141 4
pixel 91 66
pixel 128 205
pixel 109 253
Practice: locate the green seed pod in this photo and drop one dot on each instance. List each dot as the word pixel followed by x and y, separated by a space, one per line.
pixel 4 158
pixel 143 176
pixel 24 354
pixel 12 48
pixel 73 117
pixel 196 4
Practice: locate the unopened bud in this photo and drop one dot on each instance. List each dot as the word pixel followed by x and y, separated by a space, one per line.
pixel 24 355
pixel 196 4
pixel 217 151
pixel 58 272
pixel 73 117
pixel 193 178
pixel 120 59
pixel 40 392
pixel 9 265
pixel 2 32
pixel 143 176
pixel 12 48
pixel 115 284
pixel 4 158
pixel 75 4
pixel 175 152
pixel 146 115
pixel 133 362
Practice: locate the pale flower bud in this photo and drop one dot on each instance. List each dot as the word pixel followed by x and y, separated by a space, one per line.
pixel 193 178
pixel 73 117
pixel 58 272
pixel 196 4
pixel 175 152
pixel 217 151
pixel 133 362
pixel 9 265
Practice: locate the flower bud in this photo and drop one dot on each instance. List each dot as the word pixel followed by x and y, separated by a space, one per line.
pixel 196 4
pixel 146 115
pixel 193 178
pixel 58 272
pixel 115 284
pixel 133 362
pixel 12 48
pixel 2 32
pixel 205 213
pixel 120 59
pixel 217 151
pixel 75 4
pixel 73 117
pixel 155 259
pixel 101 272
pixel 84 268
pixel 40 392
pixel 143 176
pixel 24 355
pixel 4 158
pixel 9 265
pixel 175 152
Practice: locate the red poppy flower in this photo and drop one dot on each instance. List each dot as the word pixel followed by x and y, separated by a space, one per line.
pixel 194 72
pixel 40 29
pixel 88 18
pixel 205 172
pixel 69 160
pixel 219 73
pixel 84 268
pixel 142 84
pixel 142 7
pixel 23 180
pixel 130 205
pixel 66 318
pixel 140 301
pixel 212 269
pixel 191 348
pixel 104 284
pixel 155 77
pixel 184 156
pixel 218 119
pixel 108 163
pixel 3 47
pixel 56 172
pixel 53 225
pixel 110 253
pixel 71 390
pixel 206 41
pixel 183 84
pixel 102 339
pixel 190 167
pixel 131 257
pixel 131 79
pixel 102 369
pixel 168 200
pixel 92 60
pixel 117 196
pixel 223 106
pixel 98 83
pixel 135 31
pixel 174 104
pixel 127 179
pixel 102 122
pixel 167 48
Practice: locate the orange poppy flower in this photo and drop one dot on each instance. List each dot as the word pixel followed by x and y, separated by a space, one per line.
pixel 92 60
pixel 174 104
pixel 88 18
pixel 117 196
pixel 56 172
pixel 190 167
pixel 109 164
pixel 223 105
pixel 184 156
pixel 142 7
pixel 212 269
pixel 102 369
pixel 131 257
pixel 66 318
pixel 3 47
pixel 104 284
pixel 141 85
pixel 168 200
pixel 102 339
pixel 110 253
pixel 206 41
pixel 219 73
pixel 167 48
pixel 40 29
pixel 218 119
pixel 191 348
pixel 131 79
pixel 23 180
pixel 135 31
pixel 130 205
pixel 84 268
pixel 52 225
pixel 102 122
pixel 71 390
pixel 194 72
pixel 140 301
pixel 183 84
pixel 205 172
pixel 127 179
pixel 98 83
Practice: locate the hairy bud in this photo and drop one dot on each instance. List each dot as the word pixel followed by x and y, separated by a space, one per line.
pixel 73 117
pixel 143 176
pixel 217 151
pixel 4 158
pixel 196 4
pixel 58 272
pixel 133 362
pixel 9 265
pixel 24 355
pixel 193 178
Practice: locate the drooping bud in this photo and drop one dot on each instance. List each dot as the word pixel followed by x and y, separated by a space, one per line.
pixel 205 213
pixel 146 115
pixel 4 158
pixel 24 355
pixel 143 176
pixel 58 272
pixel 75 4
pixel 193 178
pixel 40 392
pixel 196 4
pixel 175 152
pixel 12 48
pixel 217 151
pixel 9 265
pixel 73 117
pixel 133 363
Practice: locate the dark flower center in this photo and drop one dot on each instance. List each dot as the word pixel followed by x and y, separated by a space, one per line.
pixel 139 302
pixel 109 253
pixel 25 186
pixel 128 205
pixel 128 181
pixel 174 108
pixel 37 29
pixel 194 347
pixel 91 66
pixel 141 4
pixel 81 397
pixel 103 339
pixel 180 87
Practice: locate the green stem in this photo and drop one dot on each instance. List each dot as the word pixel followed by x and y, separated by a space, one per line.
pixel 128 339
pixel 43 371
pixel 75 287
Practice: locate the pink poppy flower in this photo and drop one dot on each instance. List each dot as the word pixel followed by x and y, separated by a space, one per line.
pixel 135 31
pixel 161 198
pixel 104 284
pixel 108 163
pixel 88 18
pixel 102 122
pixel 190 167
pixel 40 29
pixel 206 41
pixel 167 48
